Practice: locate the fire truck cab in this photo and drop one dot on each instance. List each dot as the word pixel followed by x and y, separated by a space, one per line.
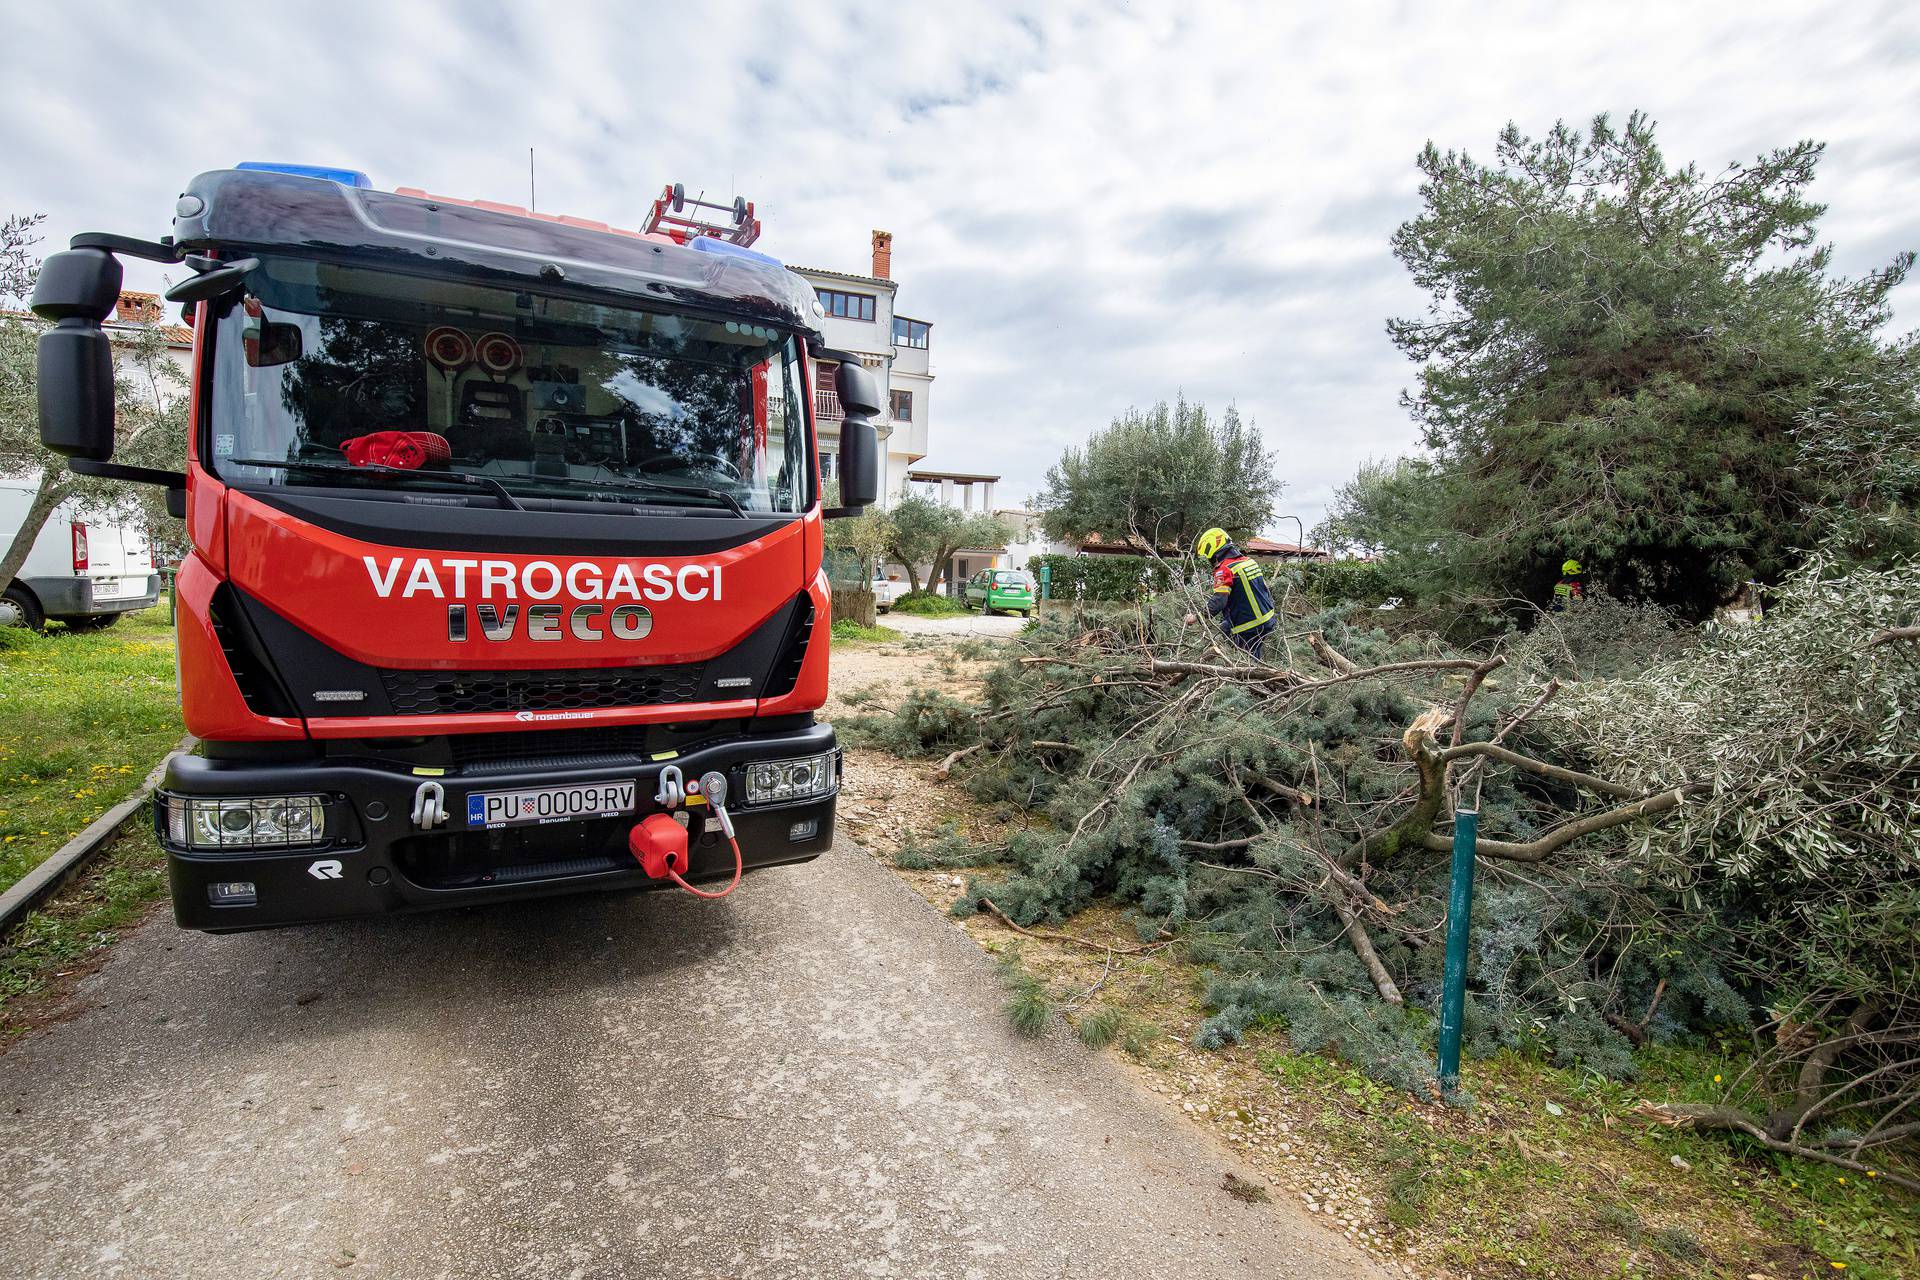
pixel 506 535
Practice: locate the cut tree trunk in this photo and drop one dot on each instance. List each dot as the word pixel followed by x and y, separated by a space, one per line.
pixel 856 605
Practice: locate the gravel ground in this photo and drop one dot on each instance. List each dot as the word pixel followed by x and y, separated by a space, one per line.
pixel 969 624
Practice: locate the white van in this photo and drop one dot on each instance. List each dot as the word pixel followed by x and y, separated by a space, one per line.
pixel 82 572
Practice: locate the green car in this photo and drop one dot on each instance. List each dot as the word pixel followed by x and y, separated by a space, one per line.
pixel 1011 590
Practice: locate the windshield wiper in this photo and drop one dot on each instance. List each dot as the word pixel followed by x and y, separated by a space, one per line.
pixel 630 484
pixel 344 468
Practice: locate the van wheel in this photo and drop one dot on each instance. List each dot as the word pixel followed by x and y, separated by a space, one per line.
pixel 18 608
pixel 91 621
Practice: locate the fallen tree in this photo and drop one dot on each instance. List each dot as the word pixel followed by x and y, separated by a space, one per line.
pixel 1660 852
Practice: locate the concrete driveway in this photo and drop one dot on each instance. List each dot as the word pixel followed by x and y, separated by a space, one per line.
pixel 811 1079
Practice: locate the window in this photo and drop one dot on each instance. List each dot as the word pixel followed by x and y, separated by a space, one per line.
pixel 852 306
pixel 546 397
pixel 910 333
pixel 903 406
pixel 826 466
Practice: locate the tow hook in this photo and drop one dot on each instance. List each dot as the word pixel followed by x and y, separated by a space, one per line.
pixel 659 841
pixel 429 805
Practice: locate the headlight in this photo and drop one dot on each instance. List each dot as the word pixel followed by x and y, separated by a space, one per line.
pixel 773 781
pixel 270 822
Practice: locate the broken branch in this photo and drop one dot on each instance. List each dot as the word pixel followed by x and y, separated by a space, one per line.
pixel 1697 1115
pixel 946 766
pixel 1467 691
pixel 1541 767
pixel 1317 641
pixel 1567 833
pixel 1108 947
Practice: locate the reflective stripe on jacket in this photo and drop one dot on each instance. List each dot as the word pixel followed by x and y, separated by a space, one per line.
pixel 1240 592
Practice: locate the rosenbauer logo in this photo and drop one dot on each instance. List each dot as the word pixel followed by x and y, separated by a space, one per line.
pixel 595 618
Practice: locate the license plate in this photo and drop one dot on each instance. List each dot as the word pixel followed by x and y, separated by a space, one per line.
pixel 115 588
pixel 549 804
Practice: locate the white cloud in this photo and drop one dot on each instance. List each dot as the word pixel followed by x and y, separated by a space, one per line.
pixel 1096 206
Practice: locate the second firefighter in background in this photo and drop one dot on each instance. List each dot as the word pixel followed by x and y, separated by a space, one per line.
pixel 1240 598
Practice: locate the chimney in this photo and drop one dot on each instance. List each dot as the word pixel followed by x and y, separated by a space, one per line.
pixel 882 255
pixel 134 307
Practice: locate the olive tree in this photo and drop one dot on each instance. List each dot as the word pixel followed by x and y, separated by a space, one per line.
pixel 150 412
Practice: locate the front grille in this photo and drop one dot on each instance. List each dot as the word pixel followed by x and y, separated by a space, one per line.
pixel 488 748
pixel 584 748
pixel 419 693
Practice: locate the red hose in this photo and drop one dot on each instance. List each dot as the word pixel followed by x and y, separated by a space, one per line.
pixel 702 893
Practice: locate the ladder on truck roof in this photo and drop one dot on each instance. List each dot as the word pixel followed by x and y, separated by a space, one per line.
pixel 669 217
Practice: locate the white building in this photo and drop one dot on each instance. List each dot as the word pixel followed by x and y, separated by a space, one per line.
pixel 1026 539
pixel 861 318
pixel 963 490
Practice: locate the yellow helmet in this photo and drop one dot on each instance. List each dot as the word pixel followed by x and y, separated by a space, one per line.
pixel 1570 568
pixel 1209 543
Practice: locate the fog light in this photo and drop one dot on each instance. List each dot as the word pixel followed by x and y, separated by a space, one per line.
pixel 231 893
pixel 800 831
pixel 774 781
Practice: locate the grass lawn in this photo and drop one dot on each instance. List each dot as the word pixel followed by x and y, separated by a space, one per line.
pixel 847 631
pixel 83 716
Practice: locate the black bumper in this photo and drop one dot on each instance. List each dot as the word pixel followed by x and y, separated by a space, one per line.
pixel 377 860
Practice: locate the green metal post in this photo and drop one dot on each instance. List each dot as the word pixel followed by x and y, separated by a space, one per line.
pixel 1453 991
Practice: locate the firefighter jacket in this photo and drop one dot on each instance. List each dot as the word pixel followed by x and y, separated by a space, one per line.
pixel 1241 594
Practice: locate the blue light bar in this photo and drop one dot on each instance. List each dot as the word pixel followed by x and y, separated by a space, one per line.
pixel 345 177
pixel 727 249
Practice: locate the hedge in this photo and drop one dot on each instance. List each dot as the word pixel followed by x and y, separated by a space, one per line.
pixel 1103 577
pixel 1340 581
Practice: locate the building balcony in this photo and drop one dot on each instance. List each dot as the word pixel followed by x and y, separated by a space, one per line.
pixel 826 405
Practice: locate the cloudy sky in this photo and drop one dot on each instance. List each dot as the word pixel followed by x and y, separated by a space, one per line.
pixel 1097 205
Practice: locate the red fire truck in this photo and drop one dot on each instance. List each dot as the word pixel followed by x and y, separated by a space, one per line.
pixel 506 571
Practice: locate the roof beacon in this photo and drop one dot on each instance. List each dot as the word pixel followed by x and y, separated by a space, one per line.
pixel 345 177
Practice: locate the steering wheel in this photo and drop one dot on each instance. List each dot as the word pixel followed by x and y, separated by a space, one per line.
pixel 692 462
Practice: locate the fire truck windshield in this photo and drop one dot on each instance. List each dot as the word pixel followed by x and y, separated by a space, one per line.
pixel 321 371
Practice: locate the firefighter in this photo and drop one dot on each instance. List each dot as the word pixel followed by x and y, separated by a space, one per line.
pixel 1240 598
pixel 1567 590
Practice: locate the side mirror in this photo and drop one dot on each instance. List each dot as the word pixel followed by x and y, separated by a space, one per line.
pixel 859 393
pixel 859 465
pixel 859 443
pixel 77 290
